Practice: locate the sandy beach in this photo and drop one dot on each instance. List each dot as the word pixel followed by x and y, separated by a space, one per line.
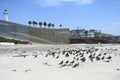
pixel 60 62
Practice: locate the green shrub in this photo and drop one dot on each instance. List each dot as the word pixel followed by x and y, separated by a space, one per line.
pixel 3 39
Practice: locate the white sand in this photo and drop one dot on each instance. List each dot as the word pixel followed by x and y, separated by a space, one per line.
pixel 13 65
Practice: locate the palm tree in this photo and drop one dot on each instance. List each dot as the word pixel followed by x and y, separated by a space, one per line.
pixel 60 25
pixel 40 24
pixel 34 23
pixel 45 24
pixel 29 22
pixel 52 25
pixel 49 25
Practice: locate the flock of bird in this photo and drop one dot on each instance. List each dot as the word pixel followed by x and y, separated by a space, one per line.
pixel 74 57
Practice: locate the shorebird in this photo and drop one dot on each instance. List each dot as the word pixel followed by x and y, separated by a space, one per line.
pixel 67 61
pixel 82 55
pixel 76 65
pixel 91 58
pixel 35 56
pixel 53 54
pixel 96 49
pixel 72 61
pixel 107 61
pixel 77 59
pixel 46 55
pixel 61 62
pixel 66 55
pixel 118 69
pixel 105 53
pixel 109 57
pixel 97 58
pixel 103 58
pixel 58 56
pixel 83 59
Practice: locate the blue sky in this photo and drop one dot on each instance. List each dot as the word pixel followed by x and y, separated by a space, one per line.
pixel 85 14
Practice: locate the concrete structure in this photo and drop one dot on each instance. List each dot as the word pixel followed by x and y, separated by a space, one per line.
pixel 5 15
pixel 40 35
pixel 45 35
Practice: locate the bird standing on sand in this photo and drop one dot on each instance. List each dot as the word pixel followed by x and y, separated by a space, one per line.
pixel 57 57
pixel 83 59
pixel 61 62
pixel 35 56
pixel 76 65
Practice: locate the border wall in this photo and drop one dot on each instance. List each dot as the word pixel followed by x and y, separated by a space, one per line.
pixel 39 35
pixel 46 35
pixel 13 30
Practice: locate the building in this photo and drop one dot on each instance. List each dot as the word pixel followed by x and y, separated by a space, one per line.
pixel 85 33
pixel 78 33
pixel 94 33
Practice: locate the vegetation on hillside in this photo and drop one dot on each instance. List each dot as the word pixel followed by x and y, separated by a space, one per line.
pixel 3 39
